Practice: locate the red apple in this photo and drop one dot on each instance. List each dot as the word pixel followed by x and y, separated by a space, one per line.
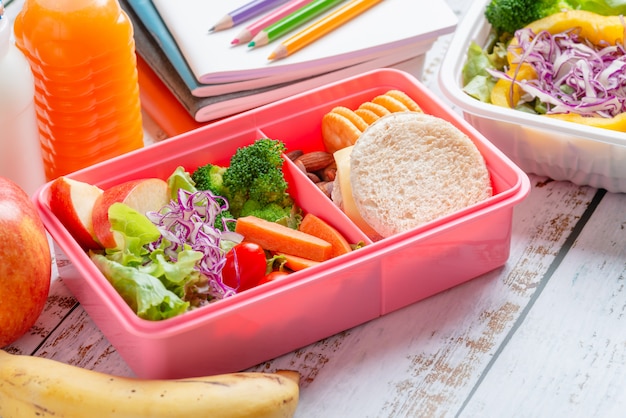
pixel 25 263
pixel 72 201
pixel 143 195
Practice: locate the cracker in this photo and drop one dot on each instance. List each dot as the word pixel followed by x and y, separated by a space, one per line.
pixel 351 116
pixel 391 104
pixel 338 132
pixel 367 115
pixel 376 108
pixel 404 99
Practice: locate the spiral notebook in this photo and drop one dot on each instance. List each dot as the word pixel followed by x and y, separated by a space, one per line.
pixel 212 59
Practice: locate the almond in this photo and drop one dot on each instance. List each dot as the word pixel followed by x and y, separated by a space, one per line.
pixel 316 160
pixel 326 187
pixel 292 155
pixel 300 165
pixel 329 172
pixel 313 177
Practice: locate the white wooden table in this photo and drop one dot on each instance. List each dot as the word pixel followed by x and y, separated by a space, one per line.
pixel 543 336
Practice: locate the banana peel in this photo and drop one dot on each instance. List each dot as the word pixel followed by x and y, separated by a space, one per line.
pixel 39 387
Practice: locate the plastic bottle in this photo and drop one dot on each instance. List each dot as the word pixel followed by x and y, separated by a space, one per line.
pixel 82 53
pixel 20 154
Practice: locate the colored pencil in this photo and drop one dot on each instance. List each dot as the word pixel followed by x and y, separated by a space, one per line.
pixel 245 12
pixel 250 31
pixel 321 27
pixel 292 21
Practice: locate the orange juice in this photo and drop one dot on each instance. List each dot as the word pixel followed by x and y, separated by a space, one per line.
pixel 82 55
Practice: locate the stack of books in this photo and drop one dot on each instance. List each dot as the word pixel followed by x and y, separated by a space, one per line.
pixel 181 60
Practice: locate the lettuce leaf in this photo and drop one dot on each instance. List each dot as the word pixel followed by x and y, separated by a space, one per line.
pixel 144 293
pixel 603 7
pixel 180 179
pixel 168 262
pixel 154 285
pixel 132 232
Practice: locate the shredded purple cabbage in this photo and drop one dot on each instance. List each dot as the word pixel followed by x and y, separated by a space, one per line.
pixel 573 75
pixel 190 220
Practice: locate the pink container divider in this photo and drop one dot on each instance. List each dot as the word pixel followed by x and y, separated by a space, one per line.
pixel 278 317
pixel 319 205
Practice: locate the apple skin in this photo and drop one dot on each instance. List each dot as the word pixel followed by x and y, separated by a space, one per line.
pixel 25 263
pixel 143 195
pixel 72 201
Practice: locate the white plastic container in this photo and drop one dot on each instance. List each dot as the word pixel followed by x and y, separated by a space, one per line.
pixel 20 151
pixel 560 150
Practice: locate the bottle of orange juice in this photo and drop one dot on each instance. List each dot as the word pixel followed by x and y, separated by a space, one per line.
pixel 82 55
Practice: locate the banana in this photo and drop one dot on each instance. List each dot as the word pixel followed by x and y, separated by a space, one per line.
pixel 38 387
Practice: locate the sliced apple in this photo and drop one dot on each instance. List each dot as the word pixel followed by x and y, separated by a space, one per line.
pixel 143 195
pixel 72 201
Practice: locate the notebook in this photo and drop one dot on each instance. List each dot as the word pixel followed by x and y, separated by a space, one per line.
pixel 151 20
pixel 212 59
pixel 205 109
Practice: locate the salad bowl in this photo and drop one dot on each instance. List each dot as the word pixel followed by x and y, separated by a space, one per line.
pixel 561 150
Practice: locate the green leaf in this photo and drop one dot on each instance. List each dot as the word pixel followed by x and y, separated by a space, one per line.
pixel 480 88
pixel 132 226
pixel 180 179
pixel 144 293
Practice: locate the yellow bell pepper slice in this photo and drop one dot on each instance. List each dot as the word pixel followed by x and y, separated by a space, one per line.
pixel 616 123
pixel 506 93
pixel 596 28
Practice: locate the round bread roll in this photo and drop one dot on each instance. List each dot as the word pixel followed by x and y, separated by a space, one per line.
pixel 409 168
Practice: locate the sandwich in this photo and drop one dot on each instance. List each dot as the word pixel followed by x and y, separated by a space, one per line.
pixel 406 169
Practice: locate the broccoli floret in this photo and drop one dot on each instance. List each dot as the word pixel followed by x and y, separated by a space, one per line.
pixel 209 177
pixel 225 221
pixel 271 212
pixel 289 214
pixel 511 15
pixel 254 181
pixel 252 184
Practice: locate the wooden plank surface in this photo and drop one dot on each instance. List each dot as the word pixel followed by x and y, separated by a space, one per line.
pixel 568 355
pixel 541 336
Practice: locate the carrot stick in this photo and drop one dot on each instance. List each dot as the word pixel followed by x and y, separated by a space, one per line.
pixel 296 263
pixel 316 226
pixel 276 237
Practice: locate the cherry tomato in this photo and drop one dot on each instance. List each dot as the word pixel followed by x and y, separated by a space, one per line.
pixel 245 266
pixel 274 275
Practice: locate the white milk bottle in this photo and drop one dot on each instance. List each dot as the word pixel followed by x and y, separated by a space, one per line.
pixel 20 149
